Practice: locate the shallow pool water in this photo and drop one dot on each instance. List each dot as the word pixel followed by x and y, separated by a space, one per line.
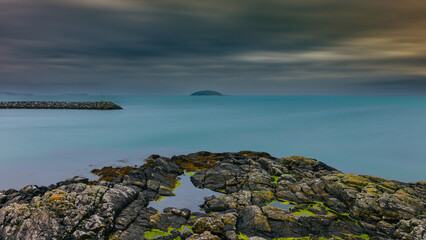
pixel 282 205
pixel 187 196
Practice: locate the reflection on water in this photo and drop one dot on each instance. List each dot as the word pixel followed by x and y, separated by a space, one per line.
pixel 282 205
pixel 187 196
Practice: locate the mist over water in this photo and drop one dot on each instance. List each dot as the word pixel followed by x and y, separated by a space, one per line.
pixel 383 136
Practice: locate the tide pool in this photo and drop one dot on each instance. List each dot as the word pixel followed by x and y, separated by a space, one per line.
pixel 186 196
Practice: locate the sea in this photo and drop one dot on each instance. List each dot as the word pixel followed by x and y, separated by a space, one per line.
pixel 383 136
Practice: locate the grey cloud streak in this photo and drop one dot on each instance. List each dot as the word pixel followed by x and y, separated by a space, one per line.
pixel 240 47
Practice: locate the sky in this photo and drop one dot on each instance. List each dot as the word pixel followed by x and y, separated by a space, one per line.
pixel 232 46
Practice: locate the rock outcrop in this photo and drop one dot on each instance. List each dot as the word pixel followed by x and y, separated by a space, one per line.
pixel 104 105
pixel 324 202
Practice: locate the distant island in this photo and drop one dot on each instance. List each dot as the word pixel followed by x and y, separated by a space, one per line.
pixel 74 94
pixel 207 93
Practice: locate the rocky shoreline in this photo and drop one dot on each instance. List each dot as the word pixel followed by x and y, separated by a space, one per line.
pixel 325 203
pixel 103 105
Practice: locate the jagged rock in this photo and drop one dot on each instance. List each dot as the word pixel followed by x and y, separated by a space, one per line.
pixel 227 202
pixel 205 236
pixel 212 225
pixel 278 214
pixel 168 219
pixel 214 180
pixel 253 220
pixel 325 202
pixel 231 235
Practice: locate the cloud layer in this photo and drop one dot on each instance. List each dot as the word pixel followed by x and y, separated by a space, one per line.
pixel 238 47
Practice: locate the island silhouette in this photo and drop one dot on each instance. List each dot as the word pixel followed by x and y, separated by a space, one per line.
pixel 207 93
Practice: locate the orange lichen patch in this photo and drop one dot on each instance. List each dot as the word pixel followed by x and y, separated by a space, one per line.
pixel 355 180
pixel 55 197
pixel 110 173
pixel 265 196
pixel 154 219
pixel 288 218
pixel 292 188
pixel 57 201
pixel 390 185
pixel 371 190
pixel 332 177
pixel 230 219
pixel 374 178
pixel 298 161
pixel 279 214
pixel 212 224
pixel 196 163
pixel 405 196
pixel 255 154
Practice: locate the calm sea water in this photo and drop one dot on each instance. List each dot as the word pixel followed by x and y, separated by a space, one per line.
pixel 383 136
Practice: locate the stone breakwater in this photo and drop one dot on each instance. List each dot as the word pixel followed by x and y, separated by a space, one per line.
pixel 59 105
pixel 326 203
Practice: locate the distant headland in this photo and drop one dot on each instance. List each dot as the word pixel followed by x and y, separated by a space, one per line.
pixel 103 105
pixel 207 93
pixel 15 94
pixel 30 94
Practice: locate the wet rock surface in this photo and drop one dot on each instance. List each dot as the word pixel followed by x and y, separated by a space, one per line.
pixel 325 203
pixel 104 105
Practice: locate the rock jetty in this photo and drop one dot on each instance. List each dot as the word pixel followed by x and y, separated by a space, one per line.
pixel 326 203
pixel 104 105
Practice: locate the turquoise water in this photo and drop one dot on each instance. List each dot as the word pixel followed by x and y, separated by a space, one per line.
pixel 382 136
pixel 186 196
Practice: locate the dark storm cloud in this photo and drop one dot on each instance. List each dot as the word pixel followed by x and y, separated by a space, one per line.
pixel 265 47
